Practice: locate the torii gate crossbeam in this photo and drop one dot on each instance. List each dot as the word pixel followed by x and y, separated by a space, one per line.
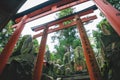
pixel 61 26
pixel 47 9
pixel 69 17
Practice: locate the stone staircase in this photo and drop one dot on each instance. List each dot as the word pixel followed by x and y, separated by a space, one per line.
pixel 82 76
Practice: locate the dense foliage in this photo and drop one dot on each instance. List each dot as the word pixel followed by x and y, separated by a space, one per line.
pixel 67 38
pixel 108 47
pixel 108 44
pixel 21 63
pixel 115 3
pixel 65 60
pixel 5 35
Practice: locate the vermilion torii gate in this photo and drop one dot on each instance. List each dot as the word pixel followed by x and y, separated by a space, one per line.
pixel 111 14
pixel 93 68
pixel 91 62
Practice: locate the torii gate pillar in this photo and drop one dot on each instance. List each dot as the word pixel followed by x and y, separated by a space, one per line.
pixel 39 64
pixel 7 51
pixel 92 66
pixel 112 14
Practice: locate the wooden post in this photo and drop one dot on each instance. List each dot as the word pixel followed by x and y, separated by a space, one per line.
pixel 7 51
pixel 39 64
pixel 92 66
pixel 112 15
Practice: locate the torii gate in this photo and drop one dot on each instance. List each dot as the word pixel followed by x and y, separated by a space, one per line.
pixel 92 65
pixel 111 14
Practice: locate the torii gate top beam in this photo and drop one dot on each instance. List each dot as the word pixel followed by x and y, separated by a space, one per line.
pixel 47 8
pixel 69 17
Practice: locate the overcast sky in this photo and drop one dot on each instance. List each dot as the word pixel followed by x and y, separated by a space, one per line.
pixel 31 3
